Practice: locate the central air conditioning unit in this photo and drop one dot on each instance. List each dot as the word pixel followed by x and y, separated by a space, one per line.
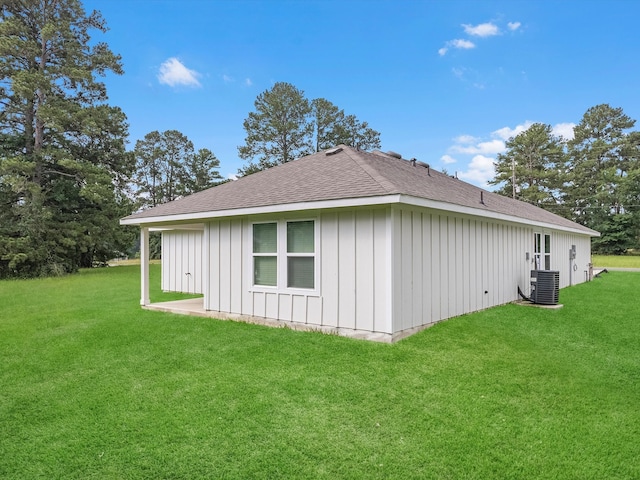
pixel 545 286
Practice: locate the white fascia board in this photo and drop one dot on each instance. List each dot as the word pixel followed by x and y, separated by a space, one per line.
pixel 172 220
pixel 287 207
pixel 476 212
pixel 197 227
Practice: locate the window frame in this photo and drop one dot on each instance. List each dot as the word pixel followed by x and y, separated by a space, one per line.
pixel 282 257
pixel 290 255
pixel 542 250
pixel 255 254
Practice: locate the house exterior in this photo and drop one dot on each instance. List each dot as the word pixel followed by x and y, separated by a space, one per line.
pixel 363 244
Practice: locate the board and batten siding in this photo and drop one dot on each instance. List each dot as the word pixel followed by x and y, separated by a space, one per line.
pixel 352 256
pixel 181 261
pixel 446 265
pixel 387 269
pixel 571 272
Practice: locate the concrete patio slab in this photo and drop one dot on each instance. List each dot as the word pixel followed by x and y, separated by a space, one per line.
pixel 195 307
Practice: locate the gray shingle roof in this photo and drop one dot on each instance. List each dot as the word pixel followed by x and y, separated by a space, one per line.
pixel 348 174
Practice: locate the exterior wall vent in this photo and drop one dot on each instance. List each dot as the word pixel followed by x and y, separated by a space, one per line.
pixel 545 286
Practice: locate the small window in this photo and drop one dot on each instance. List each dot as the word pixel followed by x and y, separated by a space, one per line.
pixel 265 254
pixel 301 254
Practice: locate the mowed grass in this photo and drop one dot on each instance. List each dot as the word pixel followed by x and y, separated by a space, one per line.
pixel 616 261
pixel 94 387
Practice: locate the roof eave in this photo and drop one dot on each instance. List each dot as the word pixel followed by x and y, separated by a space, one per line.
pixel 479 212
pixel 349 202
pixel 285 207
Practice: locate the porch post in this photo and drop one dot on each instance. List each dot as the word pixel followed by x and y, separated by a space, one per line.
pixel 144 266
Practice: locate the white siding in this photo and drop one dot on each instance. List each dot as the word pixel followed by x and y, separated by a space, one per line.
pixel 364 271
pixel 353 265
pixel 446 263
pixel 387 269
pixel 346 258
pixel 182 261
pixel 329 262
pixel 226 252
pixel 571 273
pixel 434 286
pixel 212 295
pixel 352 258
pixel 225 272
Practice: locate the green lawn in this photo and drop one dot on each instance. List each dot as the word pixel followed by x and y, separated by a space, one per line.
pixel 617 261
pixel 94 387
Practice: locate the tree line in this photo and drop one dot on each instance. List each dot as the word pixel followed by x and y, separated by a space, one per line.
pixel 66 176
pixel 64 169
pixel 592 178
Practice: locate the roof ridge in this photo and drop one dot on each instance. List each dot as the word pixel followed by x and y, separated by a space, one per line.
pixel 370 170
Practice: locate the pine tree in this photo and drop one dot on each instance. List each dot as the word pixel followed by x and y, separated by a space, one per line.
pixel 600 158
pixel 534 159
pixel 65 151
pixel 286 126
pixel 280 129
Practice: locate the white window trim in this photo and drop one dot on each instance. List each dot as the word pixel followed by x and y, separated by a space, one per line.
pixel 281 258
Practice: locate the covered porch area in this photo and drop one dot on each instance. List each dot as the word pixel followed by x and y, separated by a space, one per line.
pixel 181 259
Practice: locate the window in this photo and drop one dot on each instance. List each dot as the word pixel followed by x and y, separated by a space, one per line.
pixel 542 251
pixel 300 254
pixel 265 259
pixel 284 254
pixel 547 252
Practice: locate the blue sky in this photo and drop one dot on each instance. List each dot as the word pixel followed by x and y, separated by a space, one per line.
pixel 446 82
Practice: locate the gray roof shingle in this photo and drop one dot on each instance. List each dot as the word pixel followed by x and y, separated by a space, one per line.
pixel 348 174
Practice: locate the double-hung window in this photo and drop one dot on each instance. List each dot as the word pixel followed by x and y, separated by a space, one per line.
pixel 265 254
pixel 301 254
pixel 284 254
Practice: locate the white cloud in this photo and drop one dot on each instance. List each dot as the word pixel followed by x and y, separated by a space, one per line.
pixel 462 43
pixel 483 148
pixel 564 130
pixel 513 26
pixel 173 73
pixel 227 78
pixel 447 159
pixel 465 139
pixel 505 133
pixel 248 82
pixel 479 153
pixel 481 30
pixel 481 170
